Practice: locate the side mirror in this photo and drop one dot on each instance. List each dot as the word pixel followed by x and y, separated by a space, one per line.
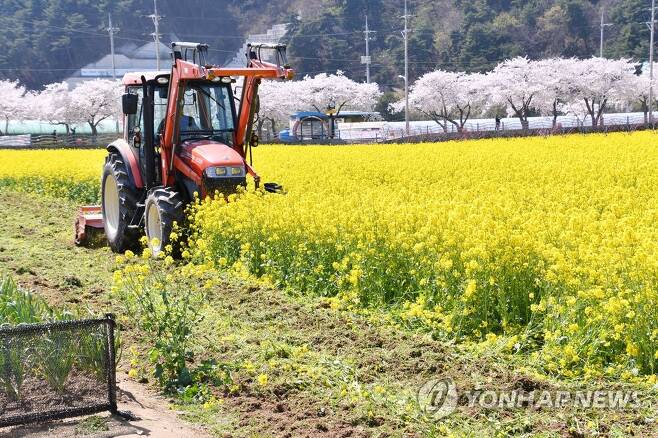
pixel 129 103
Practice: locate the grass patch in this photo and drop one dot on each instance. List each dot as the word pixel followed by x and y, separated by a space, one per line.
pixel 92 425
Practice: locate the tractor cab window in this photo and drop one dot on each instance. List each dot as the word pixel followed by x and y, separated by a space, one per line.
pixel 136 120
pixel 207 112
pixel 159 112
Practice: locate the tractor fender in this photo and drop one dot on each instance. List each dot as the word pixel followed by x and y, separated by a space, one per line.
pixel 126 152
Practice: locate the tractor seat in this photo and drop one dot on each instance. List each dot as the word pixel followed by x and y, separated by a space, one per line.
pixel 188 123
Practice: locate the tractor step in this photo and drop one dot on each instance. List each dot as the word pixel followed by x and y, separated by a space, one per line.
pixel 89 218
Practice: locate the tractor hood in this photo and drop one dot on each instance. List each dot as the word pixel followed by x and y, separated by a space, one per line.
pixel 203 154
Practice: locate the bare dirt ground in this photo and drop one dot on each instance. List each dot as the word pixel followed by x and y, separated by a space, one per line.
pixel 153 416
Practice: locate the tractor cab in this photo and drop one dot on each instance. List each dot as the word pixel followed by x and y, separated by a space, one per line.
pixel 203 136
pixel 133 109
pixel 183 135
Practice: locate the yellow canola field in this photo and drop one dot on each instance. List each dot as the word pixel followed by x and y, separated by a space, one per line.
pixel 542 246
pixel 550 243
pixel 65 173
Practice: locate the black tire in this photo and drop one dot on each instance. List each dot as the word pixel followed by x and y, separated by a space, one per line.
pixel 120 209
pixel 163 207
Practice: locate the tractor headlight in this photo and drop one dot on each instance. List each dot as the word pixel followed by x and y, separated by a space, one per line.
pixel 225 171
pixel 219 171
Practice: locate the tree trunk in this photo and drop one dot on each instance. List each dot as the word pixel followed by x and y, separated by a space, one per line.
pixel 525 125
pixel 6 125
pixel 521 113
pixel 94 129
pixel 273 122
pixel 332 127
pixel 259 127
pixel 437 119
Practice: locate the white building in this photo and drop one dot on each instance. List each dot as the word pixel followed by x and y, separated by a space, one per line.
pixel 273 35
pixel 128 58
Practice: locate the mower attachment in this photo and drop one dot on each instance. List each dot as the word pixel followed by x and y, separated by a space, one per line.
pixel 273 188
pixel 89 218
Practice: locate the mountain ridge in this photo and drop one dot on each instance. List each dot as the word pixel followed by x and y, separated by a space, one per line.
pixel 45 41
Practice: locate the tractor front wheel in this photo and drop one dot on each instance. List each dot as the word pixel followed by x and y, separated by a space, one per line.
pixel 119 203
pixel 163 207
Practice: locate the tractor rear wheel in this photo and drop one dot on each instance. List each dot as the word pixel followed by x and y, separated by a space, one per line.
pixel 163 207
pixel 119 203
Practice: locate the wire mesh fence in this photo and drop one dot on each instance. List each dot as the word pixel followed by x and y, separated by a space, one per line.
pixel 57 370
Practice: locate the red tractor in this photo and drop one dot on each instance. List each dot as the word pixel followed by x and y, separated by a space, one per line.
pixel 183 134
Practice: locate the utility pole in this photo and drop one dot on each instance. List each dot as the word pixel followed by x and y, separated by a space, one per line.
pixel 603 26
pixel 156 35
pixel 111 31
pixel 406 68
pixel 653 28
pixel 367 60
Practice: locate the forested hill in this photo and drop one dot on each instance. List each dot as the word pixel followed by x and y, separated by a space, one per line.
pixel 43 41
pixel 471 35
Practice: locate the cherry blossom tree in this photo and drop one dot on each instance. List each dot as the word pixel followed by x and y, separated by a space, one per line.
pixel 447 97
pixel 55 105
pixel 335 92
pixel 278 101
pixel 515 83
pixel 330 94
pixel 12 104
pixel 555 94
pixel 641 84
pixel 601 83
pixel 95 101
pixel 326 93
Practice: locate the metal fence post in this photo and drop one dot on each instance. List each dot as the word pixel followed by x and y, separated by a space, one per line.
pixel 111 374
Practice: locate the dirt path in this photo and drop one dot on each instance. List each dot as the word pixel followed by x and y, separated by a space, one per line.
pixel 154 419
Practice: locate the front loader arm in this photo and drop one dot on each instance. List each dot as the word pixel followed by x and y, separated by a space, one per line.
pixel 247 112
pixel 256 70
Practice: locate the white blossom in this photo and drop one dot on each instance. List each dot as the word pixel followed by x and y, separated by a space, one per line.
pixel 446 97
pixel 12 102
pixel 95 101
